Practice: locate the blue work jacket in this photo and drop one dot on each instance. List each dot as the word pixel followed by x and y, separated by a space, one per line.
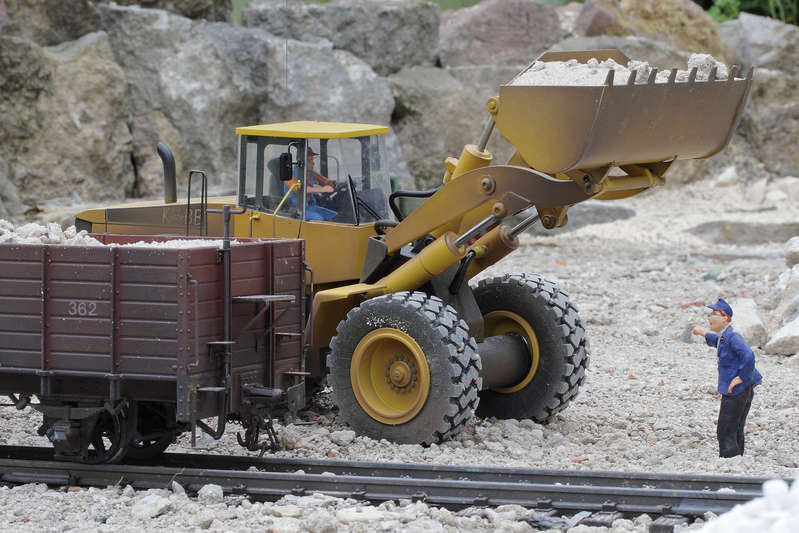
pixel 735 359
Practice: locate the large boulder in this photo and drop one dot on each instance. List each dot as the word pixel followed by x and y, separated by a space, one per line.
pixel 792 252
pixel 64 130
pixel 763 144
pixel 748 322
pixel 438 111
pixel 568 13
pixel 211 10
pixel 498 32
pixel 389 35
pixel 10 205
pixel 763 42
pixel 771 120
pixel 657 53
pixel 680 23
pixel 193 82
pixel 785 341
pixel 787 286
pixel 740 155
pixel 48 22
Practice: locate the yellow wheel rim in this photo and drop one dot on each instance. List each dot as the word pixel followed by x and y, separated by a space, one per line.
pixel 390 376
pixel 501 322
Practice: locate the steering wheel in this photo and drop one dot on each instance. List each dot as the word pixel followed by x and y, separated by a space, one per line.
pixel 338 188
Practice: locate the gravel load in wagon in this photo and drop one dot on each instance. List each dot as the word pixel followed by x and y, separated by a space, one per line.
pixel 587 110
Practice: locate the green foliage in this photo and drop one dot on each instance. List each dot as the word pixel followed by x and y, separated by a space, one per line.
pixel 456 4
pixel 238 5
pixel 723 10
pixel 784 10
pixel 558 3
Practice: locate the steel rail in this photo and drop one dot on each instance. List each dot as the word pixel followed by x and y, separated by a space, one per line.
pixel 447 486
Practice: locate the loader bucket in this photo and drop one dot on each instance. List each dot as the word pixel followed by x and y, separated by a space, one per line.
pixel 561 128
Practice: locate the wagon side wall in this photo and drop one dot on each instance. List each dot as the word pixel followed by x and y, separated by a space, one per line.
pixel 21 306
pixel 77 315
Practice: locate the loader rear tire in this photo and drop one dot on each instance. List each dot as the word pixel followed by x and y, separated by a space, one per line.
pixel 403 367
pixel 535 308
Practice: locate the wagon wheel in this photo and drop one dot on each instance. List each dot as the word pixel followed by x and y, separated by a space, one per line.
pixel 107 440
pixel 403 367
pixel 154 421
pixel 151 447
pixel 536 309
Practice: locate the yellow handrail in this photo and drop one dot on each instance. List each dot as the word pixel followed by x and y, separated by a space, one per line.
pixel 293 188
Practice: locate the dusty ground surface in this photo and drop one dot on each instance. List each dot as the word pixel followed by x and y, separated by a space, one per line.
pixel 649 400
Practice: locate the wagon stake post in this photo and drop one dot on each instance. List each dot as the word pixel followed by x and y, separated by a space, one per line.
pixel 227 342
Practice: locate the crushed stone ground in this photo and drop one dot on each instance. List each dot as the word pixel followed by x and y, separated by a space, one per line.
pixel 649 402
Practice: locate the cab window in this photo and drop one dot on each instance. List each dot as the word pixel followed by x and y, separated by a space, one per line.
pixel 343 180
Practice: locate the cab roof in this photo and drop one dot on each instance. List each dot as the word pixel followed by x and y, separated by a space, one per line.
pixel 309 129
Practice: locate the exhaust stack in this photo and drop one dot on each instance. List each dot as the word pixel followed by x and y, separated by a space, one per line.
pixel 170 184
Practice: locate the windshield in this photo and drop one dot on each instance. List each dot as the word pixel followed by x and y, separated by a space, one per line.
pixel 357 163
pixel 343 180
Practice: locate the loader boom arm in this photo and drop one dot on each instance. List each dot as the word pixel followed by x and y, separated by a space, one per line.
pixel 461 202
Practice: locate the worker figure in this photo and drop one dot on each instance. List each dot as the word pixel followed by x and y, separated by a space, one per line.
pixel 737 377
pixel 317 184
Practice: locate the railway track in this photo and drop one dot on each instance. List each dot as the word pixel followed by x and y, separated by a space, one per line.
pixel 612 494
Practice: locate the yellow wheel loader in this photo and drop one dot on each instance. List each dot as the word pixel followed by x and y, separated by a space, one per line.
pixel 411 349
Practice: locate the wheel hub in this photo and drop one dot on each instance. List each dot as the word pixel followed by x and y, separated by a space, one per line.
pixel 390 376
pixel 401 374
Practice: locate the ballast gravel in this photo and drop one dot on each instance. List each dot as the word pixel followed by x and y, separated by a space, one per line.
pixel 51 233
pixel 649 402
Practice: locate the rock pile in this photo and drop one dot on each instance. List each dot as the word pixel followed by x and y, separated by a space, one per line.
pixel 594 72
pixel 387 35
pixel 180 72
pixel 51 233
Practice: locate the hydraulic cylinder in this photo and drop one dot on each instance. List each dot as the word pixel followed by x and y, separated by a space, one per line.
pixel 434 259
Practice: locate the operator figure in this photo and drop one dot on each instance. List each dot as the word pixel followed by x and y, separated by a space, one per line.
pixel 317 183
pixel 737 378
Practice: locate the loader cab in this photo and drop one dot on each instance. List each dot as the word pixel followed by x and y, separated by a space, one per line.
pixel 315 171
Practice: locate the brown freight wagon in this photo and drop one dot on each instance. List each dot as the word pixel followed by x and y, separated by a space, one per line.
pixel 126 347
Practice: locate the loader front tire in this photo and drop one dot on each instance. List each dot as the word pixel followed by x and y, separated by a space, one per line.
pixel 403 367
pixel 535 308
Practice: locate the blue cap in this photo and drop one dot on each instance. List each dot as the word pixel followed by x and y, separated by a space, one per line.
pixel 722 306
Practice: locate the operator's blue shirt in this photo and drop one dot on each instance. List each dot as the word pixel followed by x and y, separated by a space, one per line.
pixel 312 210
pixel 735 359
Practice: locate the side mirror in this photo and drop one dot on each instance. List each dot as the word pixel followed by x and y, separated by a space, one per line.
pixel 286 164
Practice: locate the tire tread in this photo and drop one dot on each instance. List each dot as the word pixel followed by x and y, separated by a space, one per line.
pixel 566 385
pixel 461 353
